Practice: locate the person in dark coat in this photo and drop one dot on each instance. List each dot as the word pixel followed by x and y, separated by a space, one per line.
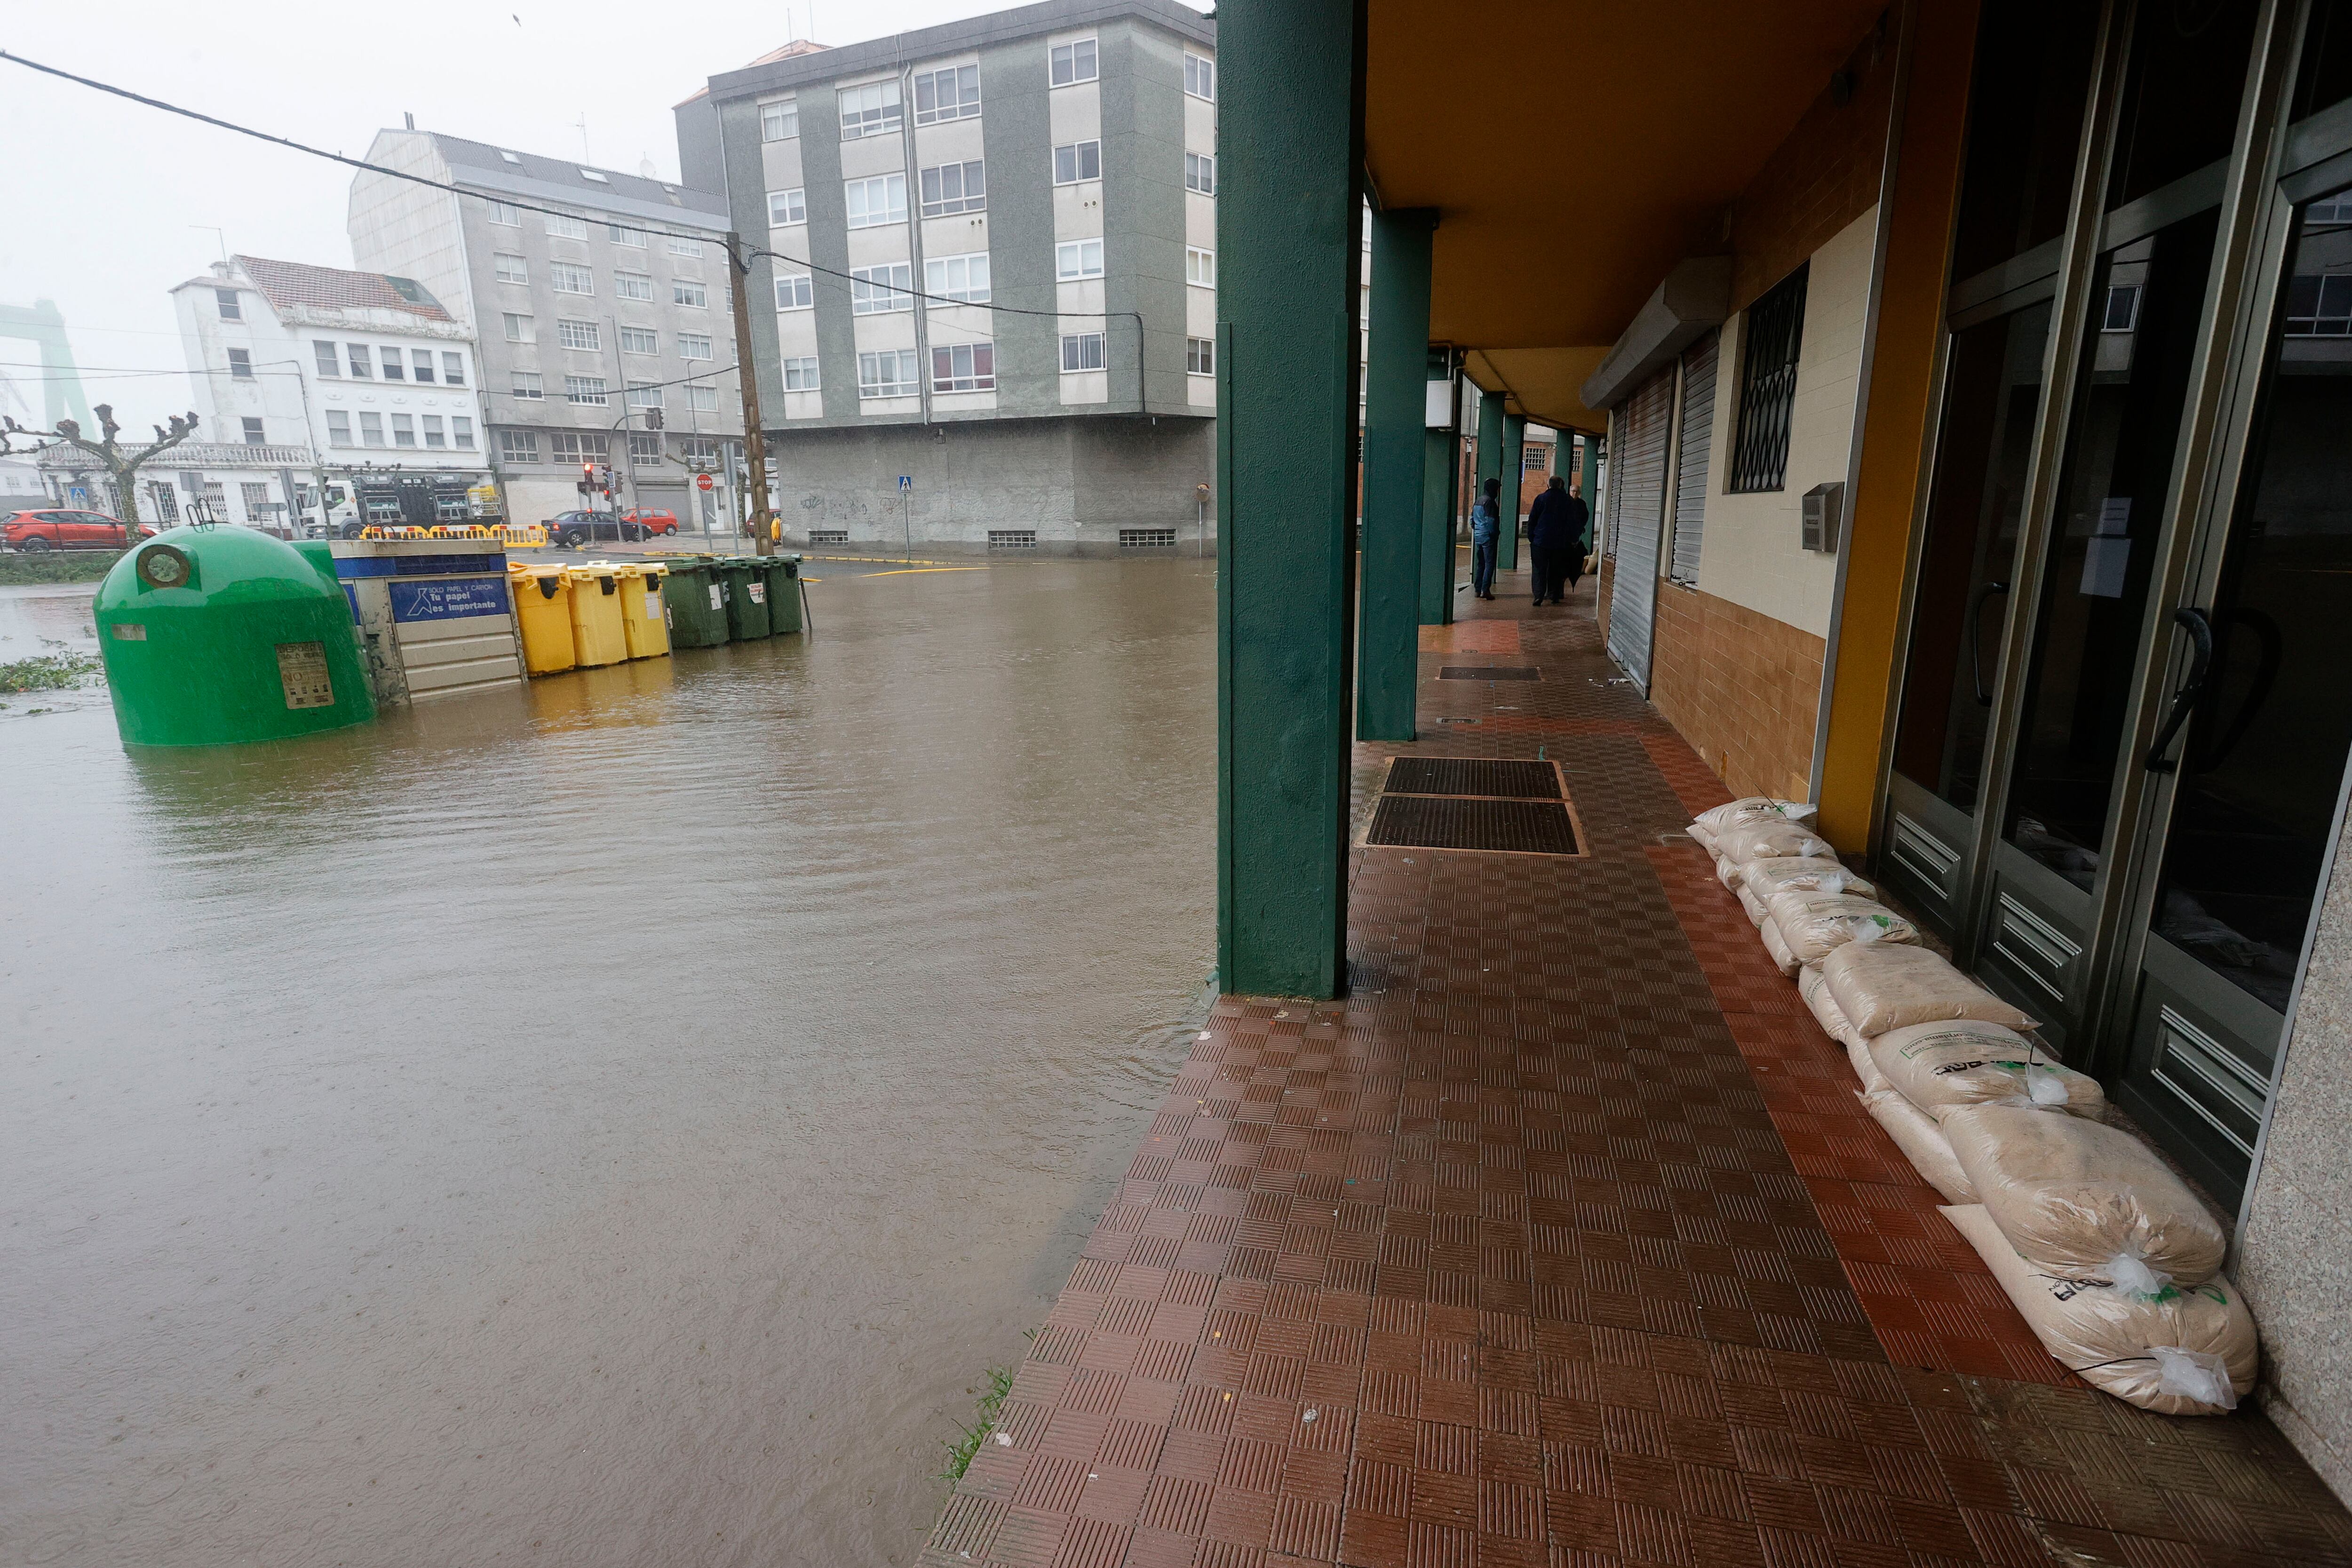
pixel 1556 524
pixel 1486 527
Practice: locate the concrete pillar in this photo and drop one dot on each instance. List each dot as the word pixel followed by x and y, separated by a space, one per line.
pixel 1515 446
pixel 1590 485
pixel 1441 475
pixel 1396 399
pixel 1488 459
pixel 1290 241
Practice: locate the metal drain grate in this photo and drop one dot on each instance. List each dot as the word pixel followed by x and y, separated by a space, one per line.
pixel 1474 775
pixel 1489 672
pixel 1439 822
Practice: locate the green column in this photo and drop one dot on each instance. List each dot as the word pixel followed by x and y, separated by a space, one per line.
pixel 1290 238
pixel 1388 631
pixel 1440 466
pixel 1590 485
pixel 1514 446
pixel 1487 461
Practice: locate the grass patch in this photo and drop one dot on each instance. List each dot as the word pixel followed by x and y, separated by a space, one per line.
pixel 960 1449
pixel 48 671
pixel 55 566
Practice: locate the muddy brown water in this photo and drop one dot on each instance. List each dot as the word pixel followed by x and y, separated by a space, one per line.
pixel 610 1123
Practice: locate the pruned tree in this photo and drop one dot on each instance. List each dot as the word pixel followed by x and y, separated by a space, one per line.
pixel 121 463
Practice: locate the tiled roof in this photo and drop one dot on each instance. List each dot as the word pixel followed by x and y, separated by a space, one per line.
pixel 285 283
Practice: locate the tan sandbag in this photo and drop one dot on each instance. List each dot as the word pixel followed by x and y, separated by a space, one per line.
pixel 1940 1066
pixel 1922 1143
pixel 1726 871
pixel 1769 840
pixel 1770 877
pixel 1883 985
pixel 1750 902
pixel 1857 1053
pixel 1778 949
pixel 1816 993
pixel 1753 808
pixel 1703 835
pixel 2084 1200
pixel 1814 923
pixel 2186 1352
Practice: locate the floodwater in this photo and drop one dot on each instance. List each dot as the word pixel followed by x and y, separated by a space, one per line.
pixel 615 1122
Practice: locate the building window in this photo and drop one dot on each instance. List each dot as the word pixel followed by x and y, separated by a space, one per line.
pixel 787 206
pixel 579 335
pixel 954 189
pixel 2319 305
pixel 579 445
pixel 889 373
pixel 229 309
pixel 362 368
pixel 877 201
pixel 511 268
pixel 705 399
pixel 256 497
pixel 461 432
pixel 700 453
pixel 563 227
pixel 565 278
pixel 869 110
pixel 694 345
pixel 1073 62
pixel 1199 266
pixel 800 376
pixel 1082 351
pixel 252 427
pixel 645 450
pixel 779 121
pixel 692 247
pixel 329 361
pixel 2122 314
pixel 588 390
pixel 1772 338
pixel 874 290
pixel 597 175
pixel 453 367
pixel 506 215
pixel 965 367
pixel 686 291
pixel 635 238
pixel 433 436
pixel 394 368
pixel 796 293
pixel 403 430
pixel 370 429
pixel 952 94
pixel 527 386
pixel 1076 258
pixel 963 278
pixel 632 286
pixel 643 394
pixel 240 364
pixel 1201 174
pixel 1200 356
pixel 1077 161
pixel 519 446
pixel 640 341
pixel 420 364
pixel 520 329
pixel 338 427
pixel 1200 78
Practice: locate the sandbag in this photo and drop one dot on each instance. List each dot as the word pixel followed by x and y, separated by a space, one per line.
pixel 1770 877
pixel 1750 902
pixel 2186 1352
pixel 1703 835
pixel 1883 986
pixel 1816 993
pixel 1940 1066
pixel 1813 923
pixel 1781 957
pixel 1769 840
pixel 1857 1054
pixel 1726 871
pixel 1922 1143
pixel 2084 1200
pixel 1753 808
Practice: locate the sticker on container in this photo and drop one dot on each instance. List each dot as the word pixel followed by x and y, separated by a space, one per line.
pixel 302 671
pixel 653 606
pixel 758 593
pixel 129 631
pixel 714 596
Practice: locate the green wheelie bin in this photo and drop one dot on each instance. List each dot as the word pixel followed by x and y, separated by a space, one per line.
pixel 784 593
pixel 744 591
pixel 696 596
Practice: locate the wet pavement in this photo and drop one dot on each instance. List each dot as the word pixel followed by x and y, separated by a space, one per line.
pixel 612 1122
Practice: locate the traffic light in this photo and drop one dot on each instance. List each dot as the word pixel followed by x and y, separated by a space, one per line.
pixel 587 485
pixel 653 418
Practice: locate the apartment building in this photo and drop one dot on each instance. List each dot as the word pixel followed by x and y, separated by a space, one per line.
pixel 604 326
pixel 989 270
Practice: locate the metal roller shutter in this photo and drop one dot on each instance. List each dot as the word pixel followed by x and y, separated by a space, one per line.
pixel 1691 460
pixel 1640 511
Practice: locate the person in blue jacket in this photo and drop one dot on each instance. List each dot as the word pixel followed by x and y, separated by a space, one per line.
pixel 1486 527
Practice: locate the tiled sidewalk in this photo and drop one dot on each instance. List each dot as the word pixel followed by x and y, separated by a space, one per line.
pixel 1562 1241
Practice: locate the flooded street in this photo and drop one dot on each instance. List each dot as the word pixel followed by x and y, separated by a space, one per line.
pixel 614 1122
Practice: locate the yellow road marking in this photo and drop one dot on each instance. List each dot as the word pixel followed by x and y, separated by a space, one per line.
pixel 919 571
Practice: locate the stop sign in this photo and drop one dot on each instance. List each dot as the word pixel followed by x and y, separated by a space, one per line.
pixel 702 481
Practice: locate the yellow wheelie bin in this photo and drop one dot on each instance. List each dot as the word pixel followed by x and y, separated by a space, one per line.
pixel 542 603
pixel 598 635
pixel 642 620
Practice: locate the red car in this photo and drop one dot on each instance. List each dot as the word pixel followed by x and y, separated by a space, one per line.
pixel 657 520
pixel 61 529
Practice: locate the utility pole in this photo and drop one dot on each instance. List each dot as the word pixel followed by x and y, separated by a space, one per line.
pixel 755 440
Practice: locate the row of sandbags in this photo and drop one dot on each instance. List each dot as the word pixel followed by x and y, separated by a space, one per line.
pixel 2112 1262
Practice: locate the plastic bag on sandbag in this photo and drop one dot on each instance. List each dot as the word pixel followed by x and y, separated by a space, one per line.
pixel 1968 1062
pixel 1883 986
pixel 1781 956
pixel 1828 875
pixel 1753 808
pixel 1922 1143
pixel 2084 1200
pixel 1832 1018
pixel 1750 903
pixel 1813 923
pixel 1702 836
pixel 2186 1352
pixel 1770 840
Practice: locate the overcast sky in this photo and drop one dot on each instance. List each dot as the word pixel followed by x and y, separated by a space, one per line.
pixel 110 203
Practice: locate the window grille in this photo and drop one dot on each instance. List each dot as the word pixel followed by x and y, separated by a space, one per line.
pixel 1773 338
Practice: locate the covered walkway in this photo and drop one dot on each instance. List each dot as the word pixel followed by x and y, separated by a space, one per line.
pixel 1562 1240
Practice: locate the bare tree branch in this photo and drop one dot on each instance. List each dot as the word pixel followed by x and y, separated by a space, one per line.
pixel 121 464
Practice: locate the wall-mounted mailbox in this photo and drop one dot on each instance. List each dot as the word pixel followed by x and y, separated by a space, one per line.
pixel 1825 515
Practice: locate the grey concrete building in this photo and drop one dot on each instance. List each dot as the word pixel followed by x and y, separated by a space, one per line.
pixel 993 274
pixel 586 324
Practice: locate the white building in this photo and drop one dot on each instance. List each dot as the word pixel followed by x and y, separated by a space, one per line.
pixel 22 485
pixel 363 387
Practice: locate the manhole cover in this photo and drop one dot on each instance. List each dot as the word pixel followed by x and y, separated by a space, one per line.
pixel 1474 775
pixel 1443 822
pixel 1489 672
